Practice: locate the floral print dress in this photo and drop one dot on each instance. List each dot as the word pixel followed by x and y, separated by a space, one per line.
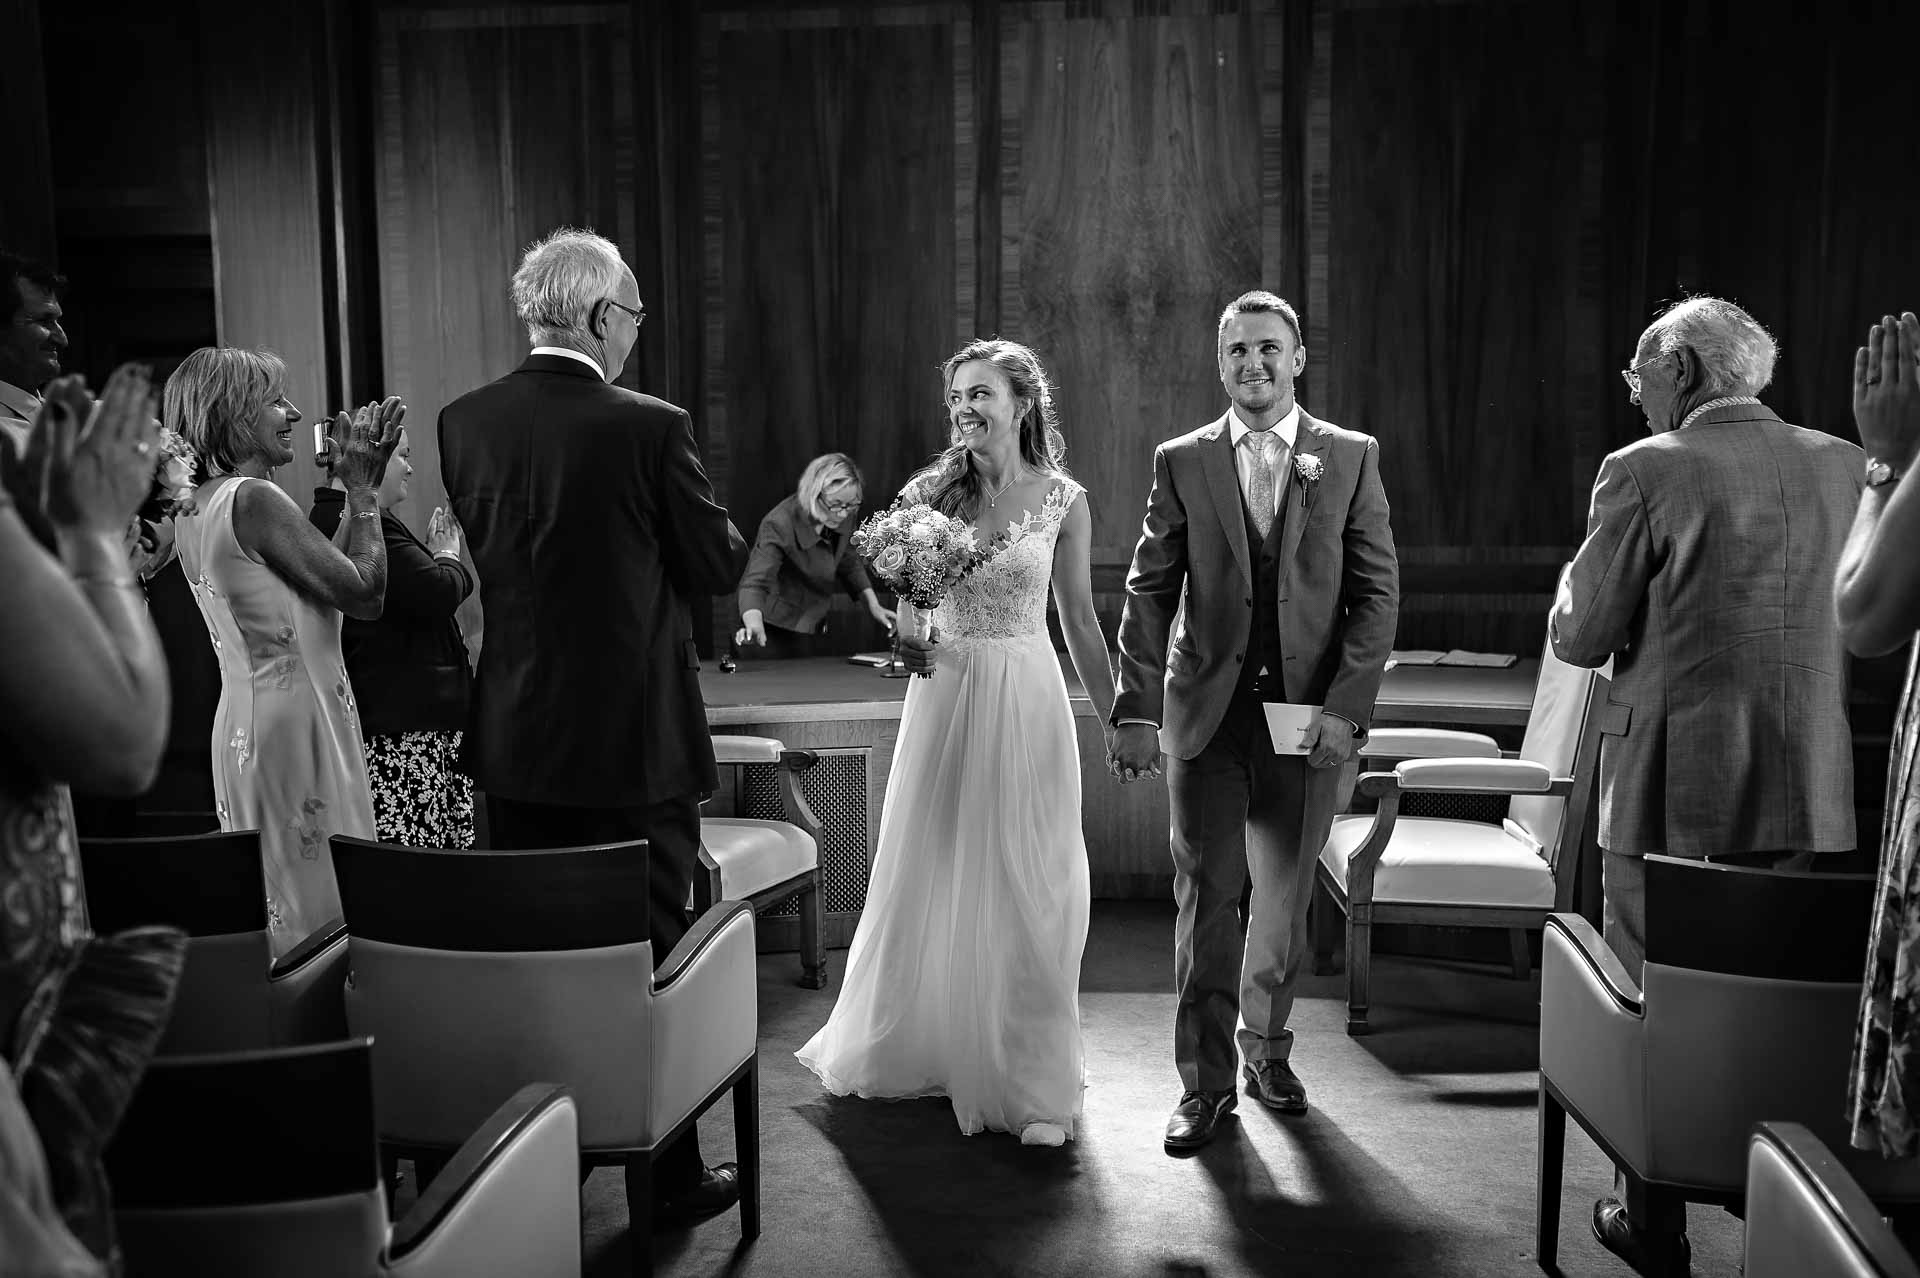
pixel 288 759
pixel 1884 1083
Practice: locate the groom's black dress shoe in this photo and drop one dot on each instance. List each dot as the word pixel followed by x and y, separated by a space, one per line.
pixel 1276 1086
pixel 1655 1255
pixel 1195 1117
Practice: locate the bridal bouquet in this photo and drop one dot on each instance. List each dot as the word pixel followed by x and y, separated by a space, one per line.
pixel 920 554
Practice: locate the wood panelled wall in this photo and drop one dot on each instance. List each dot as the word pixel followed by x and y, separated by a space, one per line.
pixel 493 125
pixel 1477 205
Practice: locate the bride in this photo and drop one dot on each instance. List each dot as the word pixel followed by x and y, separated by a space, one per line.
pixel 964 976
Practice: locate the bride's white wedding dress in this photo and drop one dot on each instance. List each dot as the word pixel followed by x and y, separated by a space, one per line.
pixel 964 975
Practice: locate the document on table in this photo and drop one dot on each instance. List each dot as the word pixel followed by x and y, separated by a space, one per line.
pixel 1414 657
pixel 1290 726
pixel 1492 660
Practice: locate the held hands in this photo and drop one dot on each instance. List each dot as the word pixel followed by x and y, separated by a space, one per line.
pixel 90 464
pixel 1332 742
pixel 1886 390
pixel 1133 754
pixel 358 447
pixel 443 535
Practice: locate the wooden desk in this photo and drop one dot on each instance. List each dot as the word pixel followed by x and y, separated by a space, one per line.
pixel 851 714
pixel 1457 696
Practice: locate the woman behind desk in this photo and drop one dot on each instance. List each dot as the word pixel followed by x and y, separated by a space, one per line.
pixel 805 543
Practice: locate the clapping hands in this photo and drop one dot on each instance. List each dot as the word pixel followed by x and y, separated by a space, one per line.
pixel 357 448
pixel 1886 390
pixel 443 534
pixel 89 464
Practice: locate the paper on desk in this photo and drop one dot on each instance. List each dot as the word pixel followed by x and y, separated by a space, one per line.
pixel 1414 657
pixel 1289 725
pixel 1494 660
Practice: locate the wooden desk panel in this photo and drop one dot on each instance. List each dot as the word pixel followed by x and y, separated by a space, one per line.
pixel 827 703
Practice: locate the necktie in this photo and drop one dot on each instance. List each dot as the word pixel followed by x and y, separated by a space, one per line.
pixel 1260 487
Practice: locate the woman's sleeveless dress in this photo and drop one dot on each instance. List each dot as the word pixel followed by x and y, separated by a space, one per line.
pixel 964 975
pixel 287 753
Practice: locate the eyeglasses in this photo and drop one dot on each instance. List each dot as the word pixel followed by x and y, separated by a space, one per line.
pixel 839 507
pixel 638 315
pixel 1631 376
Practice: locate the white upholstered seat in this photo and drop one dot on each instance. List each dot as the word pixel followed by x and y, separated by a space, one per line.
pixel 1510 874
pixel 767 863
pixel 1447 862
pixel 755 855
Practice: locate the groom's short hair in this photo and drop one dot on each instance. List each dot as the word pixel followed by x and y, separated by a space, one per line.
pixel 1260 302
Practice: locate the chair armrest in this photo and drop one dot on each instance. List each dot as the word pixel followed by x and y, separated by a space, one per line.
pixel 1428 743
pixel 1598 957
pixel 734 750
pixel 705 1015
pixel 507 1202
pixel 318 941
pixel 1478 776
pixel 1795 1186
pixel 703 934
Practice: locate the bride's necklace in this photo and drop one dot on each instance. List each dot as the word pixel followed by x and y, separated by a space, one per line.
pixel 993 498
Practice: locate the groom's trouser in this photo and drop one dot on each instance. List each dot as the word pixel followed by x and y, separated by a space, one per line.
pixel 1239 811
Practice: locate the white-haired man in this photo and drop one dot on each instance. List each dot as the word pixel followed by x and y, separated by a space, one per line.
pixel 1707 575
pixel 592 525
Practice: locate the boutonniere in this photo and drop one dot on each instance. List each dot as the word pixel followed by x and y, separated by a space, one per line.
pixel 1307 469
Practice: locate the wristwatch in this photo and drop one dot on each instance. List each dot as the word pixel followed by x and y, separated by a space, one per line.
pixel 1880 473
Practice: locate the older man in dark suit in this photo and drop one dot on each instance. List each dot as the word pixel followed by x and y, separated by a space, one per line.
pixel 1270 527
pixel 1707 575
pixel 592 525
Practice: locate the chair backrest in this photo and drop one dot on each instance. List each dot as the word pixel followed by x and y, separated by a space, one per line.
pixel 1806 1215
pixel 1563 734
pixel 212 887
pixel 481 972
pixel 1752 988
pixel 223 1162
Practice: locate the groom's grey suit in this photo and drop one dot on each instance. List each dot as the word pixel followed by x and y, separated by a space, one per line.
pixel 1314 604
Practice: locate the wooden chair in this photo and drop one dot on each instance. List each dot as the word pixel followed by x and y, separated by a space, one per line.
pixel 1385 868
pixel 264 1163
pixel 480 972
pixel 767 863
pixel 233 994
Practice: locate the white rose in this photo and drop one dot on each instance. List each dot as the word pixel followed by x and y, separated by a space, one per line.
pixel 890 561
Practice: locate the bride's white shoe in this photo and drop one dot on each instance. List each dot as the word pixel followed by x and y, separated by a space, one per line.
pixel 1043 1134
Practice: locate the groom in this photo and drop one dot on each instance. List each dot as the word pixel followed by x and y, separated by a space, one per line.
pixel 1273 526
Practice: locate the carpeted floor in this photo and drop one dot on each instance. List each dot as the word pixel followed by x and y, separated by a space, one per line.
pixel 1416 1159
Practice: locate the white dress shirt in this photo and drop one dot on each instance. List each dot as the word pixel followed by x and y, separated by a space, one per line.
pixel 1244 458
pixel 582 356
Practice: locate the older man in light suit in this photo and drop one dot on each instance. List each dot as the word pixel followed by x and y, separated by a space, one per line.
pixel 1707 575
pixel 1271 528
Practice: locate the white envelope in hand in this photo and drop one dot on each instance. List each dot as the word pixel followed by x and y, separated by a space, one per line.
pixel 1291 726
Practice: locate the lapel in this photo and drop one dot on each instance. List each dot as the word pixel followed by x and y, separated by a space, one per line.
pixel 1223 481
pixel 1311 440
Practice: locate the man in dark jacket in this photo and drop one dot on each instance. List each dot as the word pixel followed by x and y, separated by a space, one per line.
pixel 592 525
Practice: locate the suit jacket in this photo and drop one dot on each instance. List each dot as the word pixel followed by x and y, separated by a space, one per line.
pixel 1189 609
pixel 1707 574
pixel 408 667
pixel 592 525
pixel 791 573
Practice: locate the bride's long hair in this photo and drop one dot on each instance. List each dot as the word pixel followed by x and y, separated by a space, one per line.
pixel 950 483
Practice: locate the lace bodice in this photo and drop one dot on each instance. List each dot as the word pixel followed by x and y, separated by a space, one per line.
pixel 1006 597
